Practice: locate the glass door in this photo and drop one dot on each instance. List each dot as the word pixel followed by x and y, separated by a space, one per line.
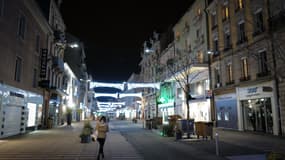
pixel 257 115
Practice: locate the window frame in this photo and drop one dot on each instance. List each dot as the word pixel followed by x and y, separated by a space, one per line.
pixel 244 67
pixel 258 22
pixel 22 24
pixel 262 62
pixel 35 78
pixel 241 32
pixel 2 7
pixel 18 69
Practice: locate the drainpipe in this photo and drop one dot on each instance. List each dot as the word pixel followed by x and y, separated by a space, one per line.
pixel 213 115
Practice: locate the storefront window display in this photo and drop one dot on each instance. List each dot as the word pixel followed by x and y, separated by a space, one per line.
pixel 257 115
pixel 226 108
pixel 32 107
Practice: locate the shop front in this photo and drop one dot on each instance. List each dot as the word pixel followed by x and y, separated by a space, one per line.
pixel 34 109
pixel 54 108
pixel 226 111
pixel 258 109
pixel 200 110
pixel 166 110
pixel 13 111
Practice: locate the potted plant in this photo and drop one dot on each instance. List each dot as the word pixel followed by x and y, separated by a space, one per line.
pixel 86 132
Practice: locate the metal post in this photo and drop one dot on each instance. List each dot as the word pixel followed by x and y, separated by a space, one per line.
pixel 217 144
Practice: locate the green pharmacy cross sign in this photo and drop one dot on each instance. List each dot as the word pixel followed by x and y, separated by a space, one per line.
pixel 166 94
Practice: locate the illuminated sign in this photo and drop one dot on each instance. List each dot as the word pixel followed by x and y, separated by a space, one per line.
pixel 32 114
pixel 43 69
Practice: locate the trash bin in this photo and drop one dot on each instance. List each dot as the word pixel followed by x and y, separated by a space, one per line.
pixel 204 129
pixel 49 123
pixel 148 124
pixel 178 135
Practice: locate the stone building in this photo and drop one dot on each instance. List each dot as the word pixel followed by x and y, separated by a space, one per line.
pixel 24 35
pixel 190 64
pixel 277 33
pixel 242 66
pixel 52 78
pixel 148 74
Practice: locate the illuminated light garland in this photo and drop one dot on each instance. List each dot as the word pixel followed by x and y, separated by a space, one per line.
pixel 143 85
pixel 121 95
pixel 120 86
pixel 114 95
pixel 118 95
pixel 110 103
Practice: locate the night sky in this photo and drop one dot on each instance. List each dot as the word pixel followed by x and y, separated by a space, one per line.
pixel 113 32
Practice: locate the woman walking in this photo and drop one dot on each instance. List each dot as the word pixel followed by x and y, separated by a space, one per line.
pixel 102 128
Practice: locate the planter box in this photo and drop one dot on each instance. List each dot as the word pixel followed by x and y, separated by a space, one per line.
pixel 86 139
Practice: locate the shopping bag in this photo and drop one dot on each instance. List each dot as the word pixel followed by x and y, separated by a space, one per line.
pixel 93 137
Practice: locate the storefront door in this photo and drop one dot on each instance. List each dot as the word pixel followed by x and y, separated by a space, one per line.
pixel 257 115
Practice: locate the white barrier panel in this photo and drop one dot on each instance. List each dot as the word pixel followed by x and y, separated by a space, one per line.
pixel 143 85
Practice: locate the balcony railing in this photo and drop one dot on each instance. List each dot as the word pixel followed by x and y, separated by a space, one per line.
pixel 44 84
pixel 258 32
pixel 245 78
pixel 59 37
pixel 58 64
pixel 218 85
pixel 241 41
pixel 263 74
pixel 230 82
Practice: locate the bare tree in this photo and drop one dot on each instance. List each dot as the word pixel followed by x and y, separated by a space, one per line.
pixel 181 70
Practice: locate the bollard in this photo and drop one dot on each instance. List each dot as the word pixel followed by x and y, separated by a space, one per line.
pixel 217 144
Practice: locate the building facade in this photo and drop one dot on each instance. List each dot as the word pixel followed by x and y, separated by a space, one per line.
pixel 276 9
pixel 52 75
pixel 75 57
pixel 24 33
pixel 242 66
pixel 191 63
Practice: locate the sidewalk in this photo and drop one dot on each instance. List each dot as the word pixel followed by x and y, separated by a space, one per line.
pixel 64 143
pixel 237 145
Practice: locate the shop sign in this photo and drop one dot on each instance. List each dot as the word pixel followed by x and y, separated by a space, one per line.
pixel 16 99
pixel 44 58
pixel 255 92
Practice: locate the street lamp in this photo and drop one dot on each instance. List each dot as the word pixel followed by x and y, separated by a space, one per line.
pixel 73 45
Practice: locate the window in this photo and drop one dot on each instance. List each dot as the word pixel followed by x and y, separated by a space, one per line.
pixel 38 43
pixel 214 20
pixel 227 41
pixel 258 23
pixel 239 4
pixel 226 13
pixel 216 47
pixel 217 77
pixel 177 36
pixel 199 12
pixel 200 57
pixel 244 68
pixel 18 69
pixel 230 73
pixel 263 68
pixel 241 33
pixel 35 78
pixel 21 26
pixel 2 7
pixel 198 33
